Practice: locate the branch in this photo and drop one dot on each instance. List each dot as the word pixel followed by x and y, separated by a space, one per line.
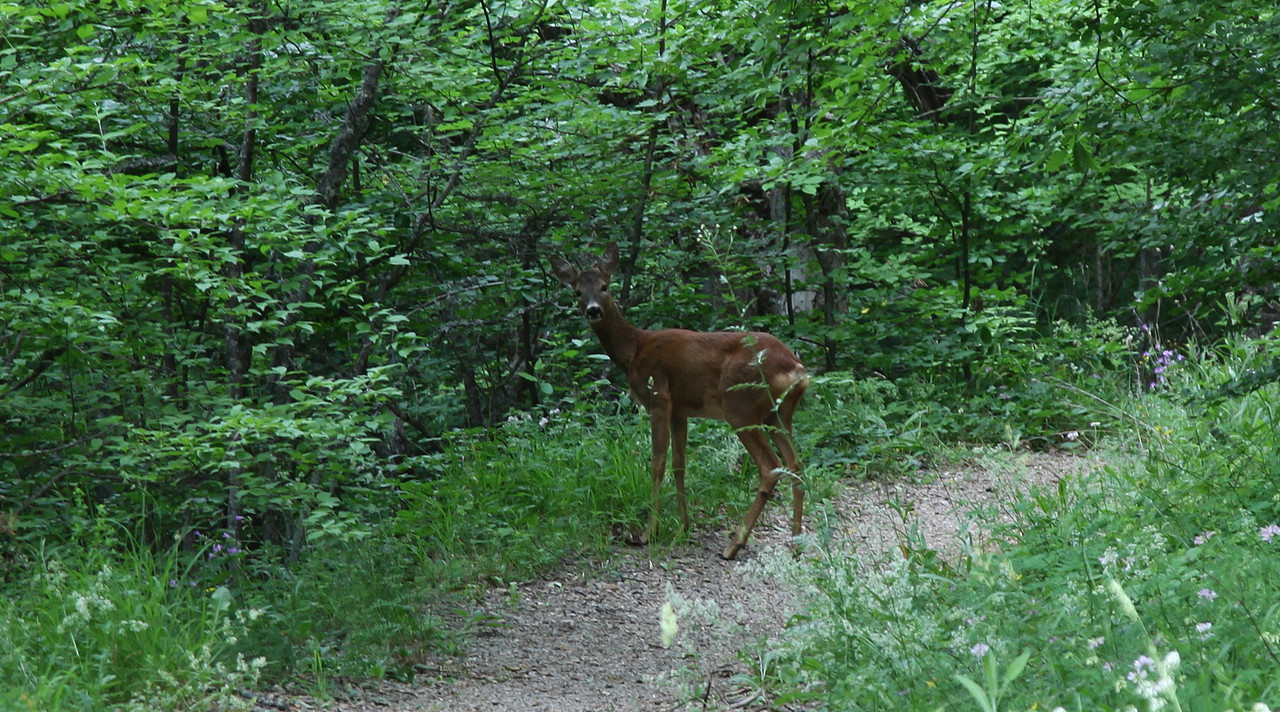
pixel 42 363
pixel 349 135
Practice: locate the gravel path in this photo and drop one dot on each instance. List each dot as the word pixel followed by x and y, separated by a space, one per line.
pixel 588 638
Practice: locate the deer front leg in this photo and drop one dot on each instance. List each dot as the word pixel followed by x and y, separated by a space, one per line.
pixel 679 440
pixel 660 422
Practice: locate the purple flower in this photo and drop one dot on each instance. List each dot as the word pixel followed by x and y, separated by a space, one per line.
pixel 1207 594
pixel 1268 532
pixel 1141 667
pixel 1203 538
pixel 979 650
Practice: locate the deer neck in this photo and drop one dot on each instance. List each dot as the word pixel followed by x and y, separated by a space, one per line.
pixel 619 338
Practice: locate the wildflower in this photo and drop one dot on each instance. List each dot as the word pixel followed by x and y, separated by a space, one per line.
pixel 979 650
pixel 1141 666
pixel 1095 642
pixel 1268 532
pixel 1203 538
pixel 1108 557
pixel 1207 594
pixel 1152 680
pixel 1204 629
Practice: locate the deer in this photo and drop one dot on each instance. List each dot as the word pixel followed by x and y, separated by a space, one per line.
pixel 750 380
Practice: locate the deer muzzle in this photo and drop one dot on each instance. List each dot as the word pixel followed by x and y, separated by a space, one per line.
pixel 593 311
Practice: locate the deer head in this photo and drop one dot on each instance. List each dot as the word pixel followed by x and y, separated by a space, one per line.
pixel 591 284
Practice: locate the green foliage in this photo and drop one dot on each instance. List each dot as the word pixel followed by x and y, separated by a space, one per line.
pixel 275 272
pixel 1147 581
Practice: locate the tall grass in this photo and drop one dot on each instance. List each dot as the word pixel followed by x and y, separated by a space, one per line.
pixel 1151 583
pixel 111 627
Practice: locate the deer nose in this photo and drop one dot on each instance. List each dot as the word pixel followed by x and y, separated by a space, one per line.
pixel 593 311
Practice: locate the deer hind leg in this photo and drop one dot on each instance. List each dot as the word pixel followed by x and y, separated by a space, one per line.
pixel 785 442
pixel 679 441
pixel 784 439
pixel 753 437
pixel 660 420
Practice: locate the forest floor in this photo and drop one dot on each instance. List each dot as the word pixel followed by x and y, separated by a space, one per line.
pixel 587 638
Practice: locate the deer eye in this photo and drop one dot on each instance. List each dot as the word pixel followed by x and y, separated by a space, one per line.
pixel 578 292
pixel 604 287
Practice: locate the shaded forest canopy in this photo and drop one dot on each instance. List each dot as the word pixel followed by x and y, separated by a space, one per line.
pixel 257 259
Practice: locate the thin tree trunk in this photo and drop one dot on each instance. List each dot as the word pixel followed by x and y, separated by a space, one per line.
pixel 646 175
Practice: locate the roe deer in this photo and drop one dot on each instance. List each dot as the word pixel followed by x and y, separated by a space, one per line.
pixel 750 380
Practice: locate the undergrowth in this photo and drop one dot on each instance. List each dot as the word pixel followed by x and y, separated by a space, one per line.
pixel 1149 583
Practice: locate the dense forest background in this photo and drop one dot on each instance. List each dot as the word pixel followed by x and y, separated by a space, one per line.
pixel 263 263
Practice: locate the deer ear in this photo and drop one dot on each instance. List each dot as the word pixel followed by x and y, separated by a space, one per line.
pixel 565 272
pixel 609 260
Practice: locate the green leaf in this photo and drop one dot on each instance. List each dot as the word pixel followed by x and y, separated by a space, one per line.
pixel 1056 160
pixel 222 598
pixel 975 690
pixel 1015 668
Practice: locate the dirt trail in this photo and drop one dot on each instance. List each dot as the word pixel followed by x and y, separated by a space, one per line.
pixel 588 639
